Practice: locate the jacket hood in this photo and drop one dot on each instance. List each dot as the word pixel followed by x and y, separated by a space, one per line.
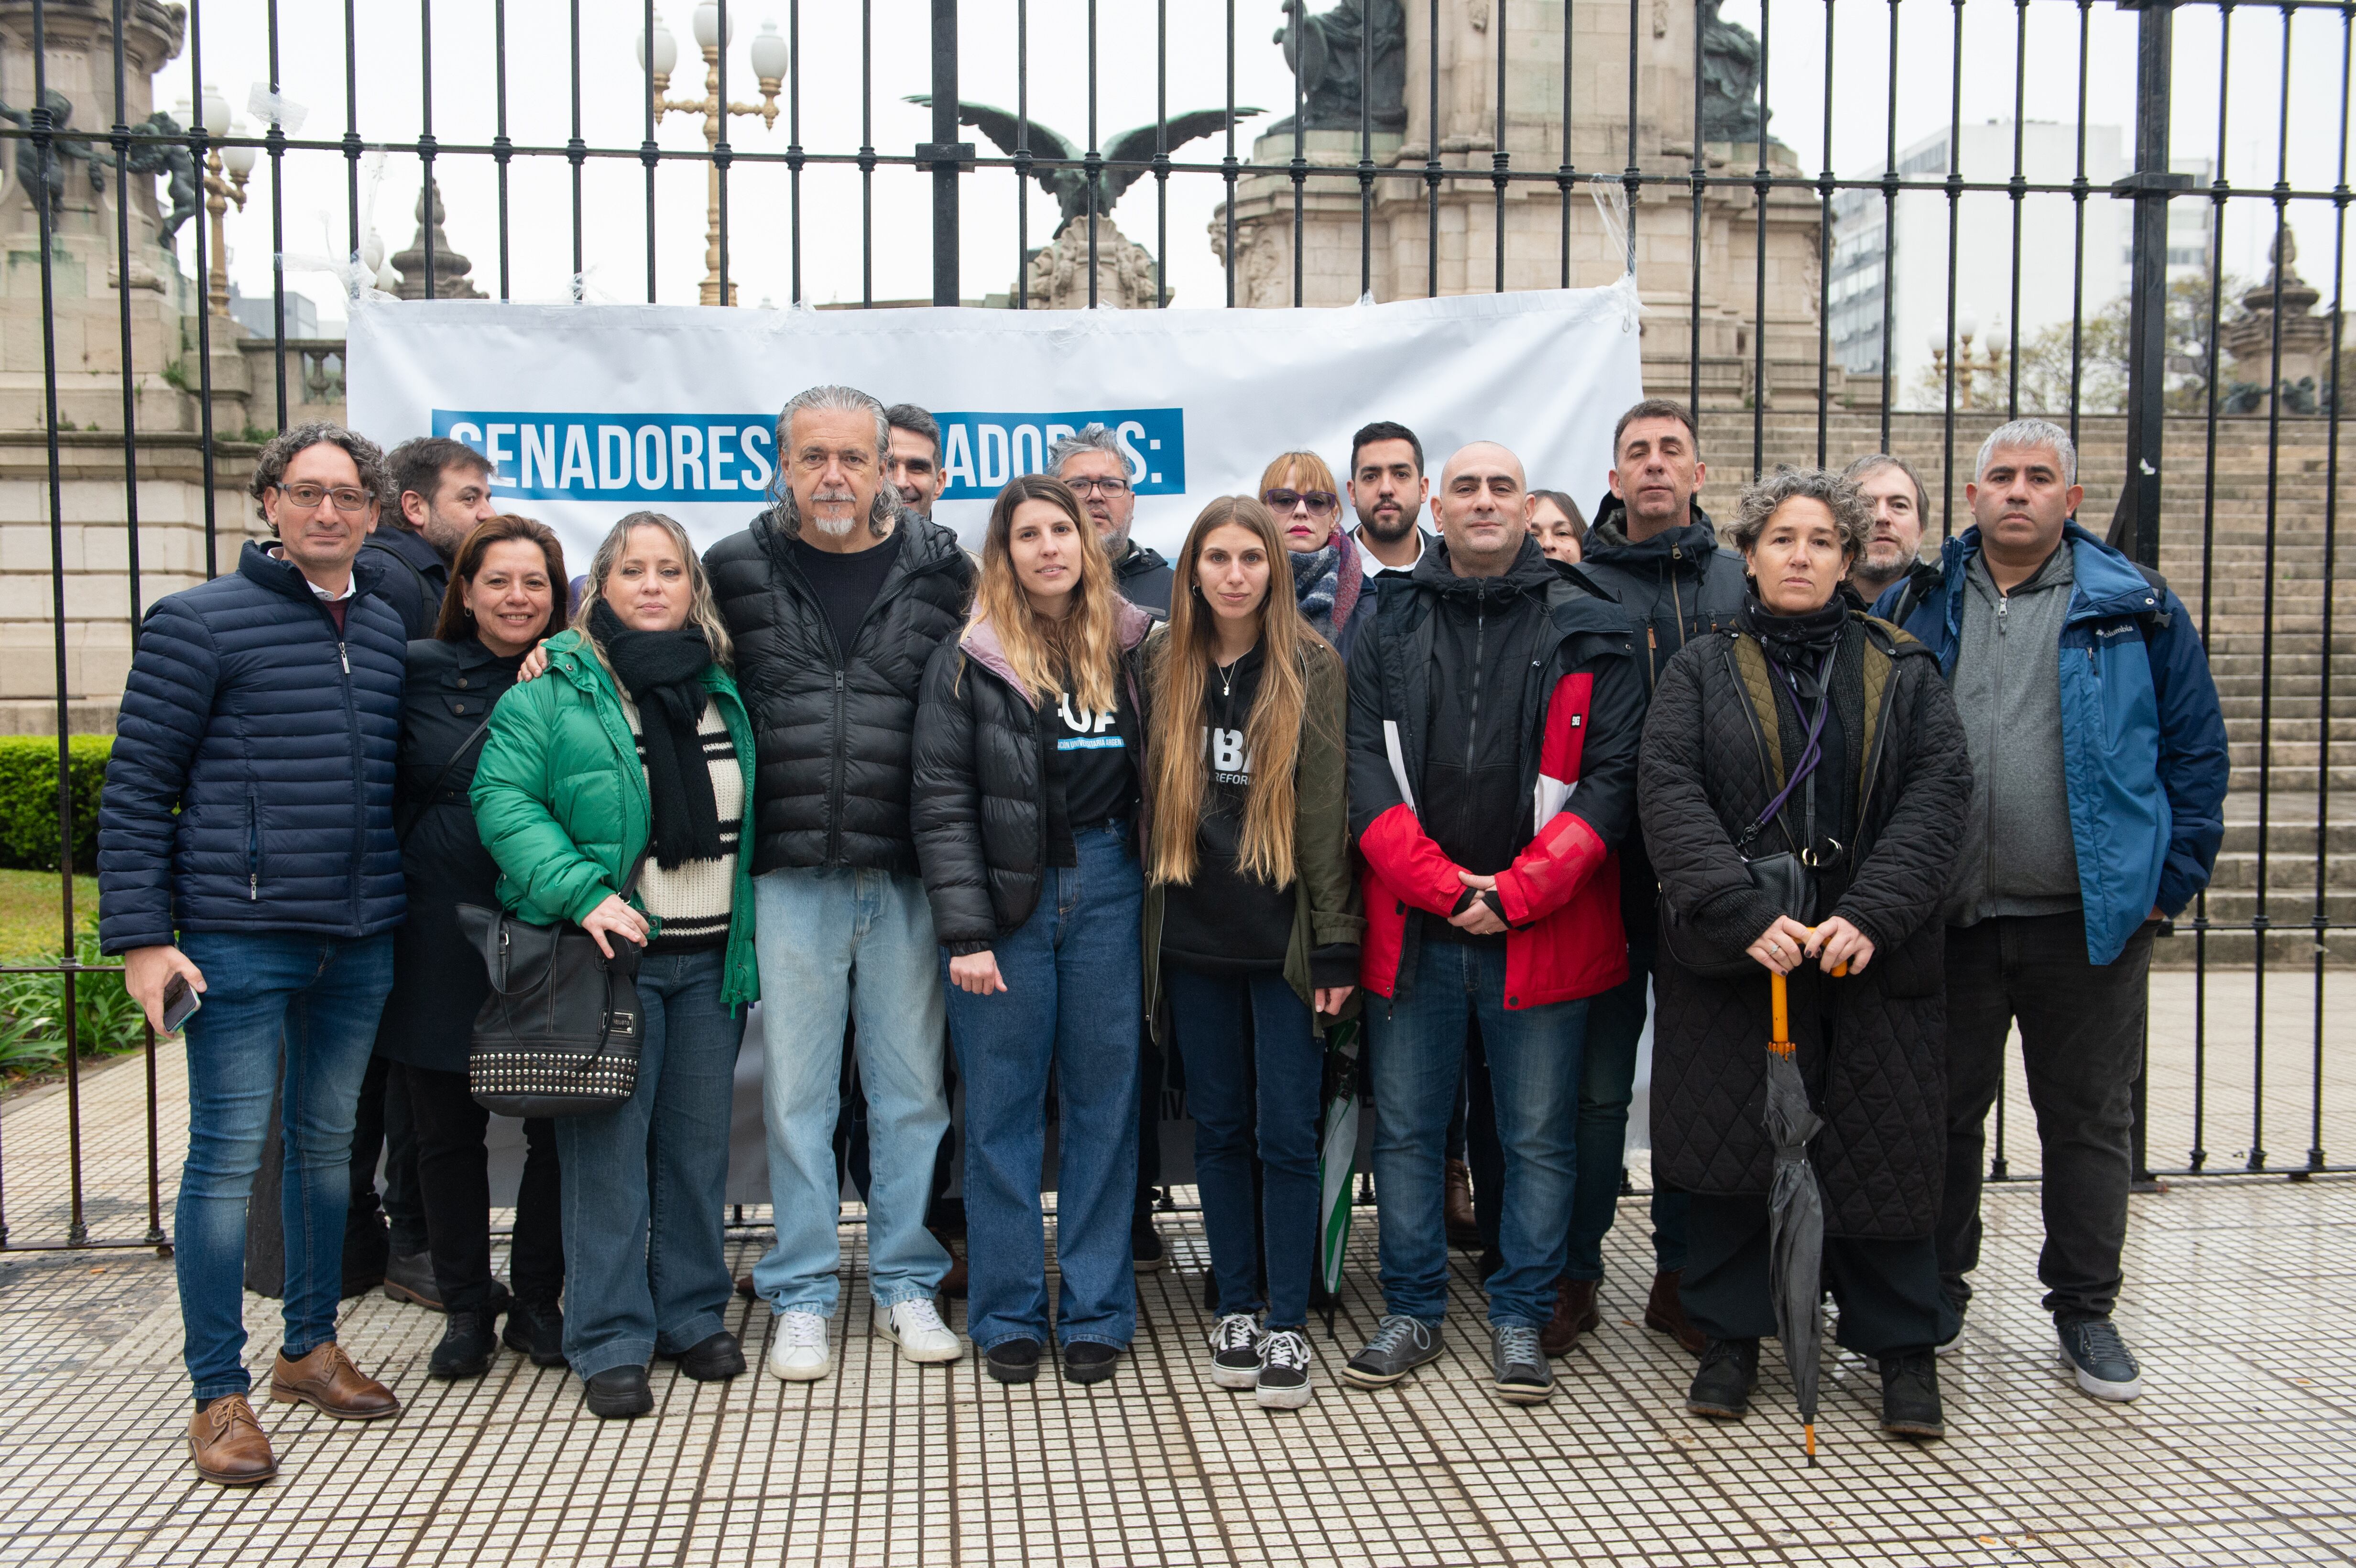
pixel 1530 572
pixel 256 564
pixel 1608 543
pixel 2103 583
pixel 980 644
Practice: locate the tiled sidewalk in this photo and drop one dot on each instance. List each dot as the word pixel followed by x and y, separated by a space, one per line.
pixel 2244 1450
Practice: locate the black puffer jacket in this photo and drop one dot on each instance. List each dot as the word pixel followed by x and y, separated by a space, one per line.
pixel 980 807
pixel 1872 1046
pixel 831 727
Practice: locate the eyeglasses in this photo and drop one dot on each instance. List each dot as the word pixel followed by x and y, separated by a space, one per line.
pixel 1081 487
pixel 343 497
pixel 1318 502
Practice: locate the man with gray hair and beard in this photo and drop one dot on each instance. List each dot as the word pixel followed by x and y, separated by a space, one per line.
pixel 835 597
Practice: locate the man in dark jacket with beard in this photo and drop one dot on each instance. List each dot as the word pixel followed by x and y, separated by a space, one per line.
pixel 1494 718
pixel 835 598
pixel 1655 551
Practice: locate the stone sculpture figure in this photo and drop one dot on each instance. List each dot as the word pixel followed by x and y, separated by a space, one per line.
pixel 159 147
pixel 45 179
pixel 1326 52
pixel 1730 79
pixel 1069 185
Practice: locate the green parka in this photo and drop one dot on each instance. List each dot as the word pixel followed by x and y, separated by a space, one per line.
pixel 561 799
pixel 1326 907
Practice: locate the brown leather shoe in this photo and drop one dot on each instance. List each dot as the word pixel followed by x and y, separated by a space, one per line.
pixel 227 1445
pixel 1665 1310
pixel 1574 1314
pixel 953 1283
pixel 327 1380
pixel 1464 1225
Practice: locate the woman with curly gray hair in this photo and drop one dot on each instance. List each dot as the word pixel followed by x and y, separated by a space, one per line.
pixel 1802 784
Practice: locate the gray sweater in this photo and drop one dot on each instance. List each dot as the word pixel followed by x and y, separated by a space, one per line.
pixel 2018 857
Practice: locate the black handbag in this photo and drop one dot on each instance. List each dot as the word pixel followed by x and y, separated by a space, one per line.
pixel 560 1032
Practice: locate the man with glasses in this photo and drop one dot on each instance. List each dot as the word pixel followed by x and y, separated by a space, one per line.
pixel 1092 463
pixel 246 860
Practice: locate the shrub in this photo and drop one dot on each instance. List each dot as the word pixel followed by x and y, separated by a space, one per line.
pixel 28 799
pixel 31 1005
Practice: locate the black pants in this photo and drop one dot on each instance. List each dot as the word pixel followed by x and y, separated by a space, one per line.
pixel 1888 1291
pixel 381 1126
pixel 452 1178
pixel 2082 1029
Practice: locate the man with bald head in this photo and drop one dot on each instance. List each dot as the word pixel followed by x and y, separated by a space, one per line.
pixel 1493 715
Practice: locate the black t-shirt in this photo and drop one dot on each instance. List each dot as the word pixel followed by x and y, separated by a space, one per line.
pixel 846 585
pixel 1225 922
pixel 1091 768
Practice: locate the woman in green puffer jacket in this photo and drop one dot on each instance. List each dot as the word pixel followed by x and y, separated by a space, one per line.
pixel 632 751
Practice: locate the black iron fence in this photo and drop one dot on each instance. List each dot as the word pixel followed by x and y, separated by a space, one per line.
pixel 2193 454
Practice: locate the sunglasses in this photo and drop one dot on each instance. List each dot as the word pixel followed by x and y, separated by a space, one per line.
pixel 1318 502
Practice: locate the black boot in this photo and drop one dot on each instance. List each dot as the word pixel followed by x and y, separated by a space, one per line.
pixel 537 1330
pixel 1910 1396
pixel 468 1345
pixel 1728 1372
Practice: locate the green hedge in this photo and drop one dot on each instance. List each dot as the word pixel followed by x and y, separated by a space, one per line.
pixel 28 799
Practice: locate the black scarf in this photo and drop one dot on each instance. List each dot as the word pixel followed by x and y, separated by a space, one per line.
pixel 1797 642
pixel 663 673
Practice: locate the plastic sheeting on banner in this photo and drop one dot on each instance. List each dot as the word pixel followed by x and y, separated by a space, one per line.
pixel 592 410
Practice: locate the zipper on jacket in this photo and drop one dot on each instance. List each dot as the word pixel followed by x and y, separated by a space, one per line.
pixel 1479 643
pixel 344 653
pixel 252 845
pixel 834 789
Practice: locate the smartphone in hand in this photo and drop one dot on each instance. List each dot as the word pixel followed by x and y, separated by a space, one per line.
pixel 179 1002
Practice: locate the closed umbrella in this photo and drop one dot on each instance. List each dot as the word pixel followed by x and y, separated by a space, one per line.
pixel 1796 1219
pixel 1337 1156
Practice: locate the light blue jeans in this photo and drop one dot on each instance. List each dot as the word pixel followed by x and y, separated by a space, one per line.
pixel 835 946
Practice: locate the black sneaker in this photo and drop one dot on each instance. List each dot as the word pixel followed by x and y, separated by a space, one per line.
pixel 1910 1396
pixel 2092 1352
pixel 409 1277
pixel 1014 1360
pixel 1089 1362
pixel 1284 1370
pixel 1146 1252
pixel 711 1361
pixel 1234 1351
pixel 618 1393
pixel 1400 1345
pixel 1722 1386
pixel 536 1329
pixel 1525 1376
pixel 469 1344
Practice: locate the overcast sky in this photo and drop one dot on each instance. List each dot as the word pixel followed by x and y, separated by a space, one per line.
pixel 389 110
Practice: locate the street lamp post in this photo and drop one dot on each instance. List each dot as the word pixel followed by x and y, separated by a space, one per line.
pixel 1967 364
pixel 768 51
pixel 226 169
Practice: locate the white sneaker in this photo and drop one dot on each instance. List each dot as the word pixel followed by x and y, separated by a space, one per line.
pixel 916 1328
pixel 798 1351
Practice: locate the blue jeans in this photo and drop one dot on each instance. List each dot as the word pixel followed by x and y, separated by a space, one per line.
pixel 319 996
pixel 1072 974
pixel 830 942
pixel 646 1184
pixel 1416 1047
pixel 1615 1022
pixel 1236 1032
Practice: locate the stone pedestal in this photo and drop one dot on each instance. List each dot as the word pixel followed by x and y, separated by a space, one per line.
pixel 1539 251
pixel 1058 276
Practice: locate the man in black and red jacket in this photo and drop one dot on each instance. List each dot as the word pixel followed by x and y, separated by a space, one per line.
pixel 1494 720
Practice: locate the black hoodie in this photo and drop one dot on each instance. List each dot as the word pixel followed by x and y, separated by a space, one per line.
pixel 1678 586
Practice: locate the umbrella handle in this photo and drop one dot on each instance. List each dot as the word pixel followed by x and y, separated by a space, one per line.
pixel 1781 1002
pixel 1840 970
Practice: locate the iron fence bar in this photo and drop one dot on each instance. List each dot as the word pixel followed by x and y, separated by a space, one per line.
pixel 1299 169
pixel 576 151
pixel 2315 1158
pixel 945 135
pixel 1366 160
pixel 2020 190
pixel 426 198
pixel 1888 238
pixel 1023 154
pixel 501 149
pixel 276 143
pixel 121 142
pixel 155 1237
pixel 1955 188
pixel 867 151
pixel 1096 166
pixel 1567 175
pixel 2079 190
pixel 198 151
pixel 1430 136
pixel 2199 1155
pixel 719 153
pixel 1760 188
pixel 1825 254
pixel 646 151
pixel 1699 171
pixel 353 146
pixel 1498 156
pixel 1161 154
pixel 793 154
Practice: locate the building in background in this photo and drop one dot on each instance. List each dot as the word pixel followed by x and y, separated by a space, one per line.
pixel 2049 281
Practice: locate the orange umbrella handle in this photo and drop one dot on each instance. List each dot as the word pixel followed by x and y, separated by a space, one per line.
pixel 1781 1044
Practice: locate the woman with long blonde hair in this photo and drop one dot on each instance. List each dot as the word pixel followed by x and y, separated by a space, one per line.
pixel 1251 914
pixel 1028 800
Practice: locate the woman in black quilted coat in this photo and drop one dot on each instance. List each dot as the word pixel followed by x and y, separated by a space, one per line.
pixel 1810 730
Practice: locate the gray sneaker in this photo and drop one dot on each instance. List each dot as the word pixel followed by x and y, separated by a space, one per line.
pixel 2092 1353
pixel 1523 1374
pixel 1400 1345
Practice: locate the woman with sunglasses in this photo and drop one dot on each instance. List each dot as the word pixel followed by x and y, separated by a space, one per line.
pixel 1326 575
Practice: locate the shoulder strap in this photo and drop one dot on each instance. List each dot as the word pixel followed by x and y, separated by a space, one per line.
pixel 1877 681
pixel 1751 671
pixel 424 588
pixel 443 777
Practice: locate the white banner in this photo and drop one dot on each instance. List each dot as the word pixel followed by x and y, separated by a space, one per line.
pixel 592 410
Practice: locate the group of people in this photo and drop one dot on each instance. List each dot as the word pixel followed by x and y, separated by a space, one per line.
pixel 1495 788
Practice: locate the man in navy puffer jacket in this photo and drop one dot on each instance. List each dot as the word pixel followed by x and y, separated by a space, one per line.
pixel 245 847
